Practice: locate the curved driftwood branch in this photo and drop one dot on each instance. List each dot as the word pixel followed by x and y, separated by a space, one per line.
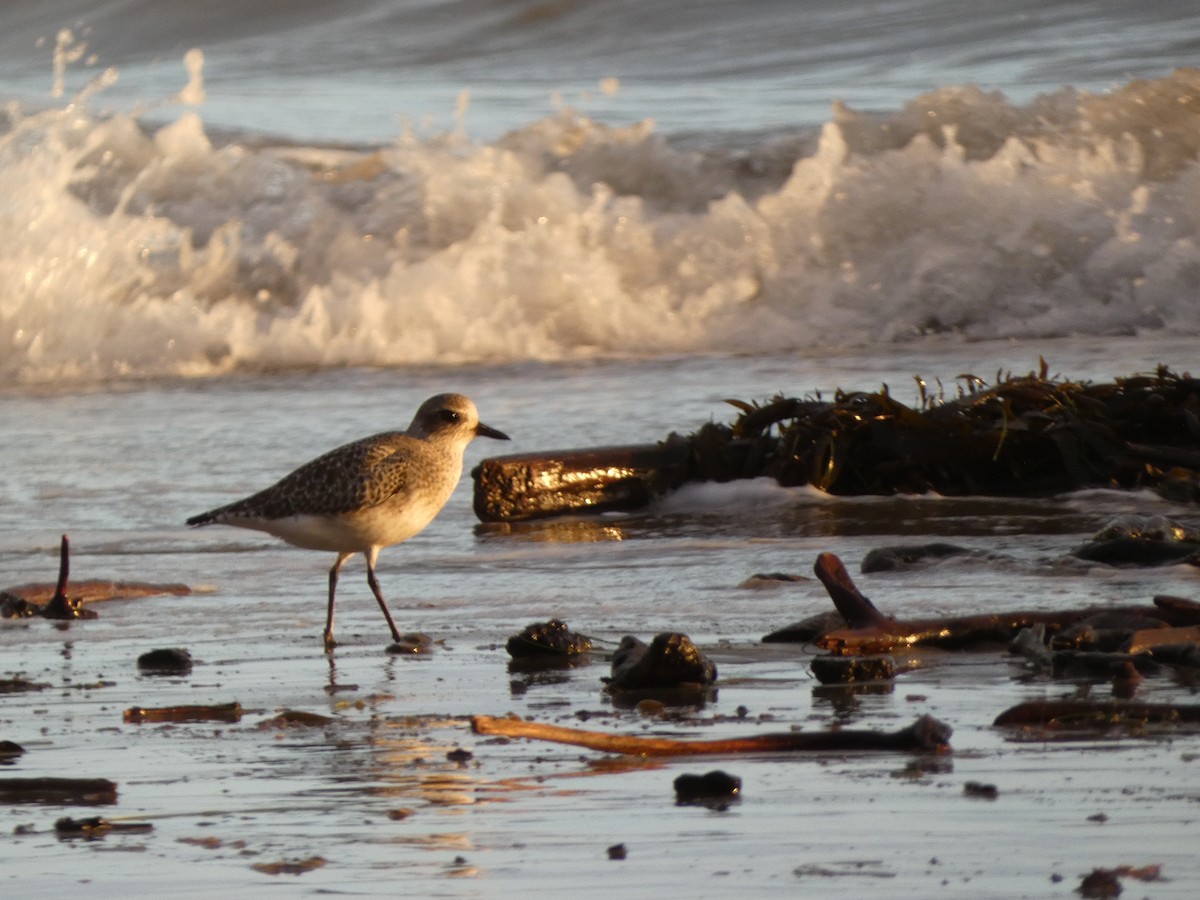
pixel 926 734
pixel 870 631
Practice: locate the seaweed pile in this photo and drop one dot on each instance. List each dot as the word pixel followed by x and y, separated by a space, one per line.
pixel 1029 435
pixel 1023 435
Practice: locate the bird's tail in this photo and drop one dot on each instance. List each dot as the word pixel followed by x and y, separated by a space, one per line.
pixel 206 518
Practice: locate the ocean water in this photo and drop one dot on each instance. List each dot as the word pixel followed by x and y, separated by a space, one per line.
pixel 233 236
pixel 792 179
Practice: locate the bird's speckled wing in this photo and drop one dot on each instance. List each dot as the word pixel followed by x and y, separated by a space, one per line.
pixel 355 476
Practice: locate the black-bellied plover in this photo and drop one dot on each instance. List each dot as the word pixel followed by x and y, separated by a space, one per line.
pixel 368 494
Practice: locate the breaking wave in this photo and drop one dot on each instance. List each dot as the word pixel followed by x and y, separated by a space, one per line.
pixel 131 250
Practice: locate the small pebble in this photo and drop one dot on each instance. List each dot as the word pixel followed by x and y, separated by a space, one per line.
pixel 712 786
pixel 978 789
pixel 165 661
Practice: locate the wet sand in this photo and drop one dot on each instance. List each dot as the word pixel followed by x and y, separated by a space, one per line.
pixel 377 802
pixel 370 804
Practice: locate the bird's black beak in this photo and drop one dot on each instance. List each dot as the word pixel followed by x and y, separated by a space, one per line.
pixel 482 430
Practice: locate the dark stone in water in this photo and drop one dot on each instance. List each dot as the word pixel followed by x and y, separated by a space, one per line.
pixel 715 786
pixel 671 660
pixel 547 639
pixel 890 559
pixel 983 791
pixel 14 607
pixel 853 669
pixel 1134 552
pixel 10 750
pixel 1141 541
pixel 760 580
pixel 617 851
pixel 1100 883
pixel 165 661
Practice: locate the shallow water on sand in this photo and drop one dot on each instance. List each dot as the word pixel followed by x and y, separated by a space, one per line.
pixel 373 794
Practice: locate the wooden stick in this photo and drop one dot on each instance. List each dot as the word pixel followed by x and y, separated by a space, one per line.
pixel 871 631
pixel 857 610
pixel 64 570
pixel 60 605
pixel 1091 714
pixel 221 712
pixel 926 734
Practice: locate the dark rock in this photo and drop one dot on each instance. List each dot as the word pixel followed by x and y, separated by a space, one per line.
pixel 15 607
pixel 853 669
pixel 670 661
pixel 712 787
pixel 980 790
pixel 165 661
pixel 1141 541
pixel 10 750
pixel 761 580
pixel 890 559
pixel 1100 883
pixel 547 639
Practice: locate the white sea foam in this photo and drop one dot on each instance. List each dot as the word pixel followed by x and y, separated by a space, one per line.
pixel 138 251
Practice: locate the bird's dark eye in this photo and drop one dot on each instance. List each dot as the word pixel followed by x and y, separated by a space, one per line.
pixel 449 415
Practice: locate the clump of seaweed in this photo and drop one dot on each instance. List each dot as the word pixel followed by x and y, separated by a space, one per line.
pixel 1022 435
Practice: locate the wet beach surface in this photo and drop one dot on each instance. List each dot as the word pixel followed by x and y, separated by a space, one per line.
pixel 380 799
pixel 394 794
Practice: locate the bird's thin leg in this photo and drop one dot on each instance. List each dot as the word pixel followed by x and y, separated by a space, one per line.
pixel 333 578
pixel 372 555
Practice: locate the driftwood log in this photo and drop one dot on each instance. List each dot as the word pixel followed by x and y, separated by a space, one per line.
pixel 1024 435
pixel 926 734
pixel 537 485
pixel 1088 714
pixel 869 631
